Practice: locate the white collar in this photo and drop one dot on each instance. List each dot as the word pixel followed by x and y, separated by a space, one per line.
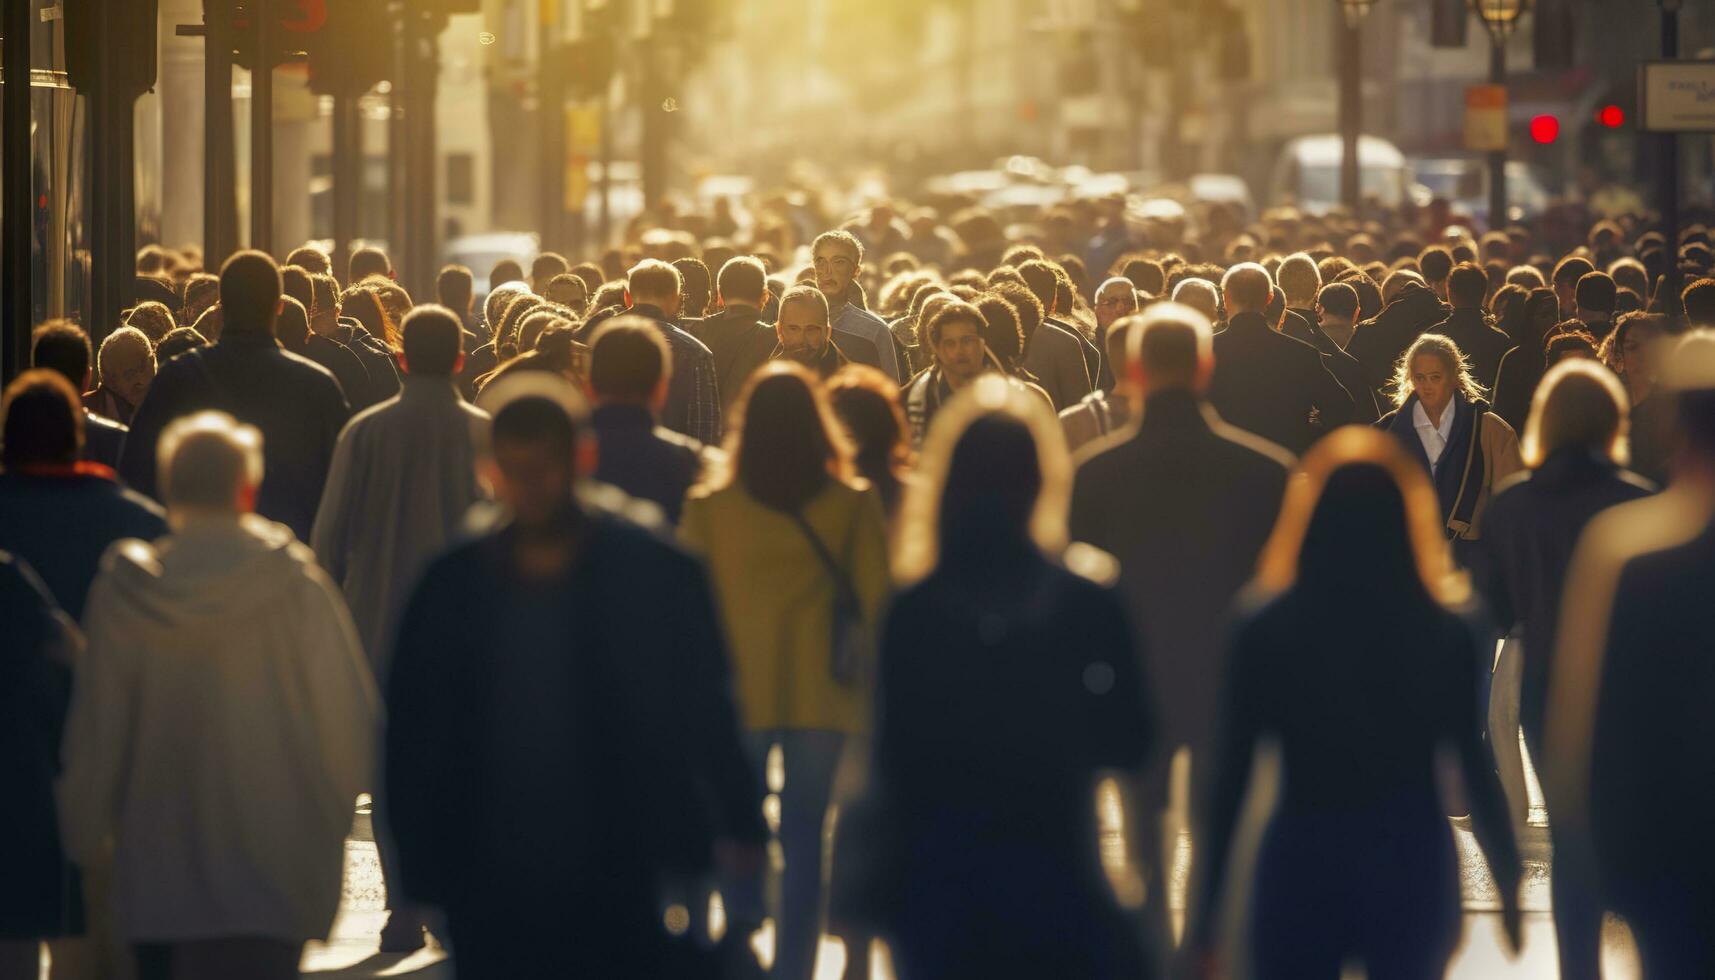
pixel 1444 428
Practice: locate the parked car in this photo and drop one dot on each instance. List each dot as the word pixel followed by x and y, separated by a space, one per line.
pixel 1464 182
pixel 1307 173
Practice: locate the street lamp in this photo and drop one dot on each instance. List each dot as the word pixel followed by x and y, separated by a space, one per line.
pixel 1351 98
pixel 1501 18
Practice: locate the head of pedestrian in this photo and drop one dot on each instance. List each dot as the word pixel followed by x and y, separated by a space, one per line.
pixel 569 291
pixel 1246 288
pixel 654 284
pixel 1579 406
pixel 785 444
pixel 1299 280
pixel 126 362
pixel 455 288
pixel 366 262
pixel 210 467
pixel 544 268
pixel 1361 519
pixel 1337 308
pixel 955 335
pixel 1435 263
pixel 1595 295
pixel 533 466
pixel 43 421
pixel 1115 298
pixel 1169 347
pixel 1201 295
pixel 1435 370
pixel 1467 286
pixel 432 342
pixel 310 259
pixel 1565 282
pixel 250 295
pixel 838 259
pixel 630 363
pixel 993 483
pixel 802 328
pixel 742 281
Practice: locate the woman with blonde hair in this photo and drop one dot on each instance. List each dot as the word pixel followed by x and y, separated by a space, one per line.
pixel 1575 446
pixel 1442 420
pixel 796 549
pixel 1008 682
pixel 1358 662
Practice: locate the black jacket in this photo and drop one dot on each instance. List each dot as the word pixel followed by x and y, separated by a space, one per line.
pixel 1269 384
pixel 1516 380
pixel 1185 502
pixel 740 343
pixel 625 698
pixel 296 404
pixel 379 364
pixel 1379 342
pixel 62 522
pixel 1479 340
pixel 103 439
pixel 1302 325
pixel 345 366
pixel 1529 532
pixel 40 897
pixel 645 460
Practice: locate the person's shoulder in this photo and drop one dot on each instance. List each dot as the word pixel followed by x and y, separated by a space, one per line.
pixel 1089 568
pixel 1251 450
pixel 678 442
pixel 1634 485
pixel 1494 424
pixel 140 509
pixel 685 342
pixel 857 314
pixel 1515 490
pixel 310 372
pixel 95 420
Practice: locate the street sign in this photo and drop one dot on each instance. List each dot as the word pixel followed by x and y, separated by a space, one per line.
pixel 1677 96
pixel 1486 118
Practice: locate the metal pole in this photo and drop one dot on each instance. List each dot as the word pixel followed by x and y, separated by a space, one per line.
pixel 262 127
pixel 347 177
pixel 219 208
pixel 1498 158
pixel 18 201
pixel 1351 112
pixel 1669 176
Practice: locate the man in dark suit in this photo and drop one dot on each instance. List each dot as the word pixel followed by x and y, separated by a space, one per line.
pixel 630 363
pixel 295 403
pixel 736 334
pixel 1185 502
pixel 1266 382
pixel 1379 342
pixel 1298 280
pixel 1470 328
pixel 62 346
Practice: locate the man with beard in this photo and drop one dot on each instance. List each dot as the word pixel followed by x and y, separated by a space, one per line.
pixel 803 334
pixel 955 335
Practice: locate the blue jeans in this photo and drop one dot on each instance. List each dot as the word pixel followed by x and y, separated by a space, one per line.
pixel 811 759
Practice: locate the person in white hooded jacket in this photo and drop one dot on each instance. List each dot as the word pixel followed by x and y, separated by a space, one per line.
pixel 223 721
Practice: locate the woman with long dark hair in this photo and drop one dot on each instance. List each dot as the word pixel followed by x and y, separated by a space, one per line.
pixel 797 553
pixel 1008 683
pixel 867 406
pixel 1361 668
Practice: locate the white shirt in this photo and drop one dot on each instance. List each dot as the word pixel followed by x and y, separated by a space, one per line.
pixel 1433 436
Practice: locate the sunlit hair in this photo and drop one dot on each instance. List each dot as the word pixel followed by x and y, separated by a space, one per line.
pixel 866 402
pixel 1612 351
pixel 1200 295
pixel 364 305
pixel 989 396
pixel 1247 287
pixel 1451 357
pixel 1169 340
pixel 1356 445
pixel 841 237
pixel 494 307
pixel 154 319
pixel 1298 278
pixel 806 295
pixel 205 458
pixel 114 343
pixel 783 445
pixel 1578 403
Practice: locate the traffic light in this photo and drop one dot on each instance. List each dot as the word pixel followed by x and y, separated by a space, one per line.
pixel 1544 128
pixel 127 58
pixel 1611 116
pixel 352 51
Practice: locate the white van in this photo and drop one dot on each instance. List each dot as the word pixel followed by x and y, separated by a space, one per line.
pixel 1307 173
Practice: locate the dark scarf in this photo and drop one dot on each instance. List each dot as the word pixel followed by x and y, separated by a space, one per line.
pixel 1459 478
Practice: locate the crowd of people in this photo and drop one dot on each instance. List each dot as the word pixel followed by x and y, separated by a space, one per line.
pixel 829 571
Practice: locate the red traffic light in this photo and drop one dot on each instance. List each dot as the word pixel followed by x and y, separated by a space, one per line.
pixel 1544 129
pixel 1611 116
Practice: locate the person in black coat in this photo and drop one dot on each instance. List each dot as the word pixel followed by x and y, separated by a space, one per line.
pixel 40 893
pixel 1522 368
pixel 1378 342
pixel 57 513
pixel 1361 666
pixel 1298 281
pixel 1265 382
pixel 1572 444
pixel 1470 327
pixel 570 663
pixel 1631 739
pixel 736 334
pixel 1185 502
pixel 629 363
pixel 992 729
pixel 296 404
pixel 62 346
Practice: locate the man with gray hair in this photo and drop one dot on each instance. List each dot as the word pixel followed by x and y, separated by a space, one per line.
pixel 1185 502
pixel 1265 382
pixel 693 406
pixel 1201 295
pixel 1299 280
pixel 838 260
pixel 223 721
pixel 1115 298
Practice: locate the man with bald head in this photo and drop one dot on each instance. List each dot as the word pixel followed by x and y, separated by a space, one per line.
pixel 1265 382
pixel 1185 502
pixel 296 404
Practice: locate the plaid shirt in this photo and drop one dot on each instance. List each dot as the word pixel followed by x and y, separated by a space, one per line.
pixel 693 405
